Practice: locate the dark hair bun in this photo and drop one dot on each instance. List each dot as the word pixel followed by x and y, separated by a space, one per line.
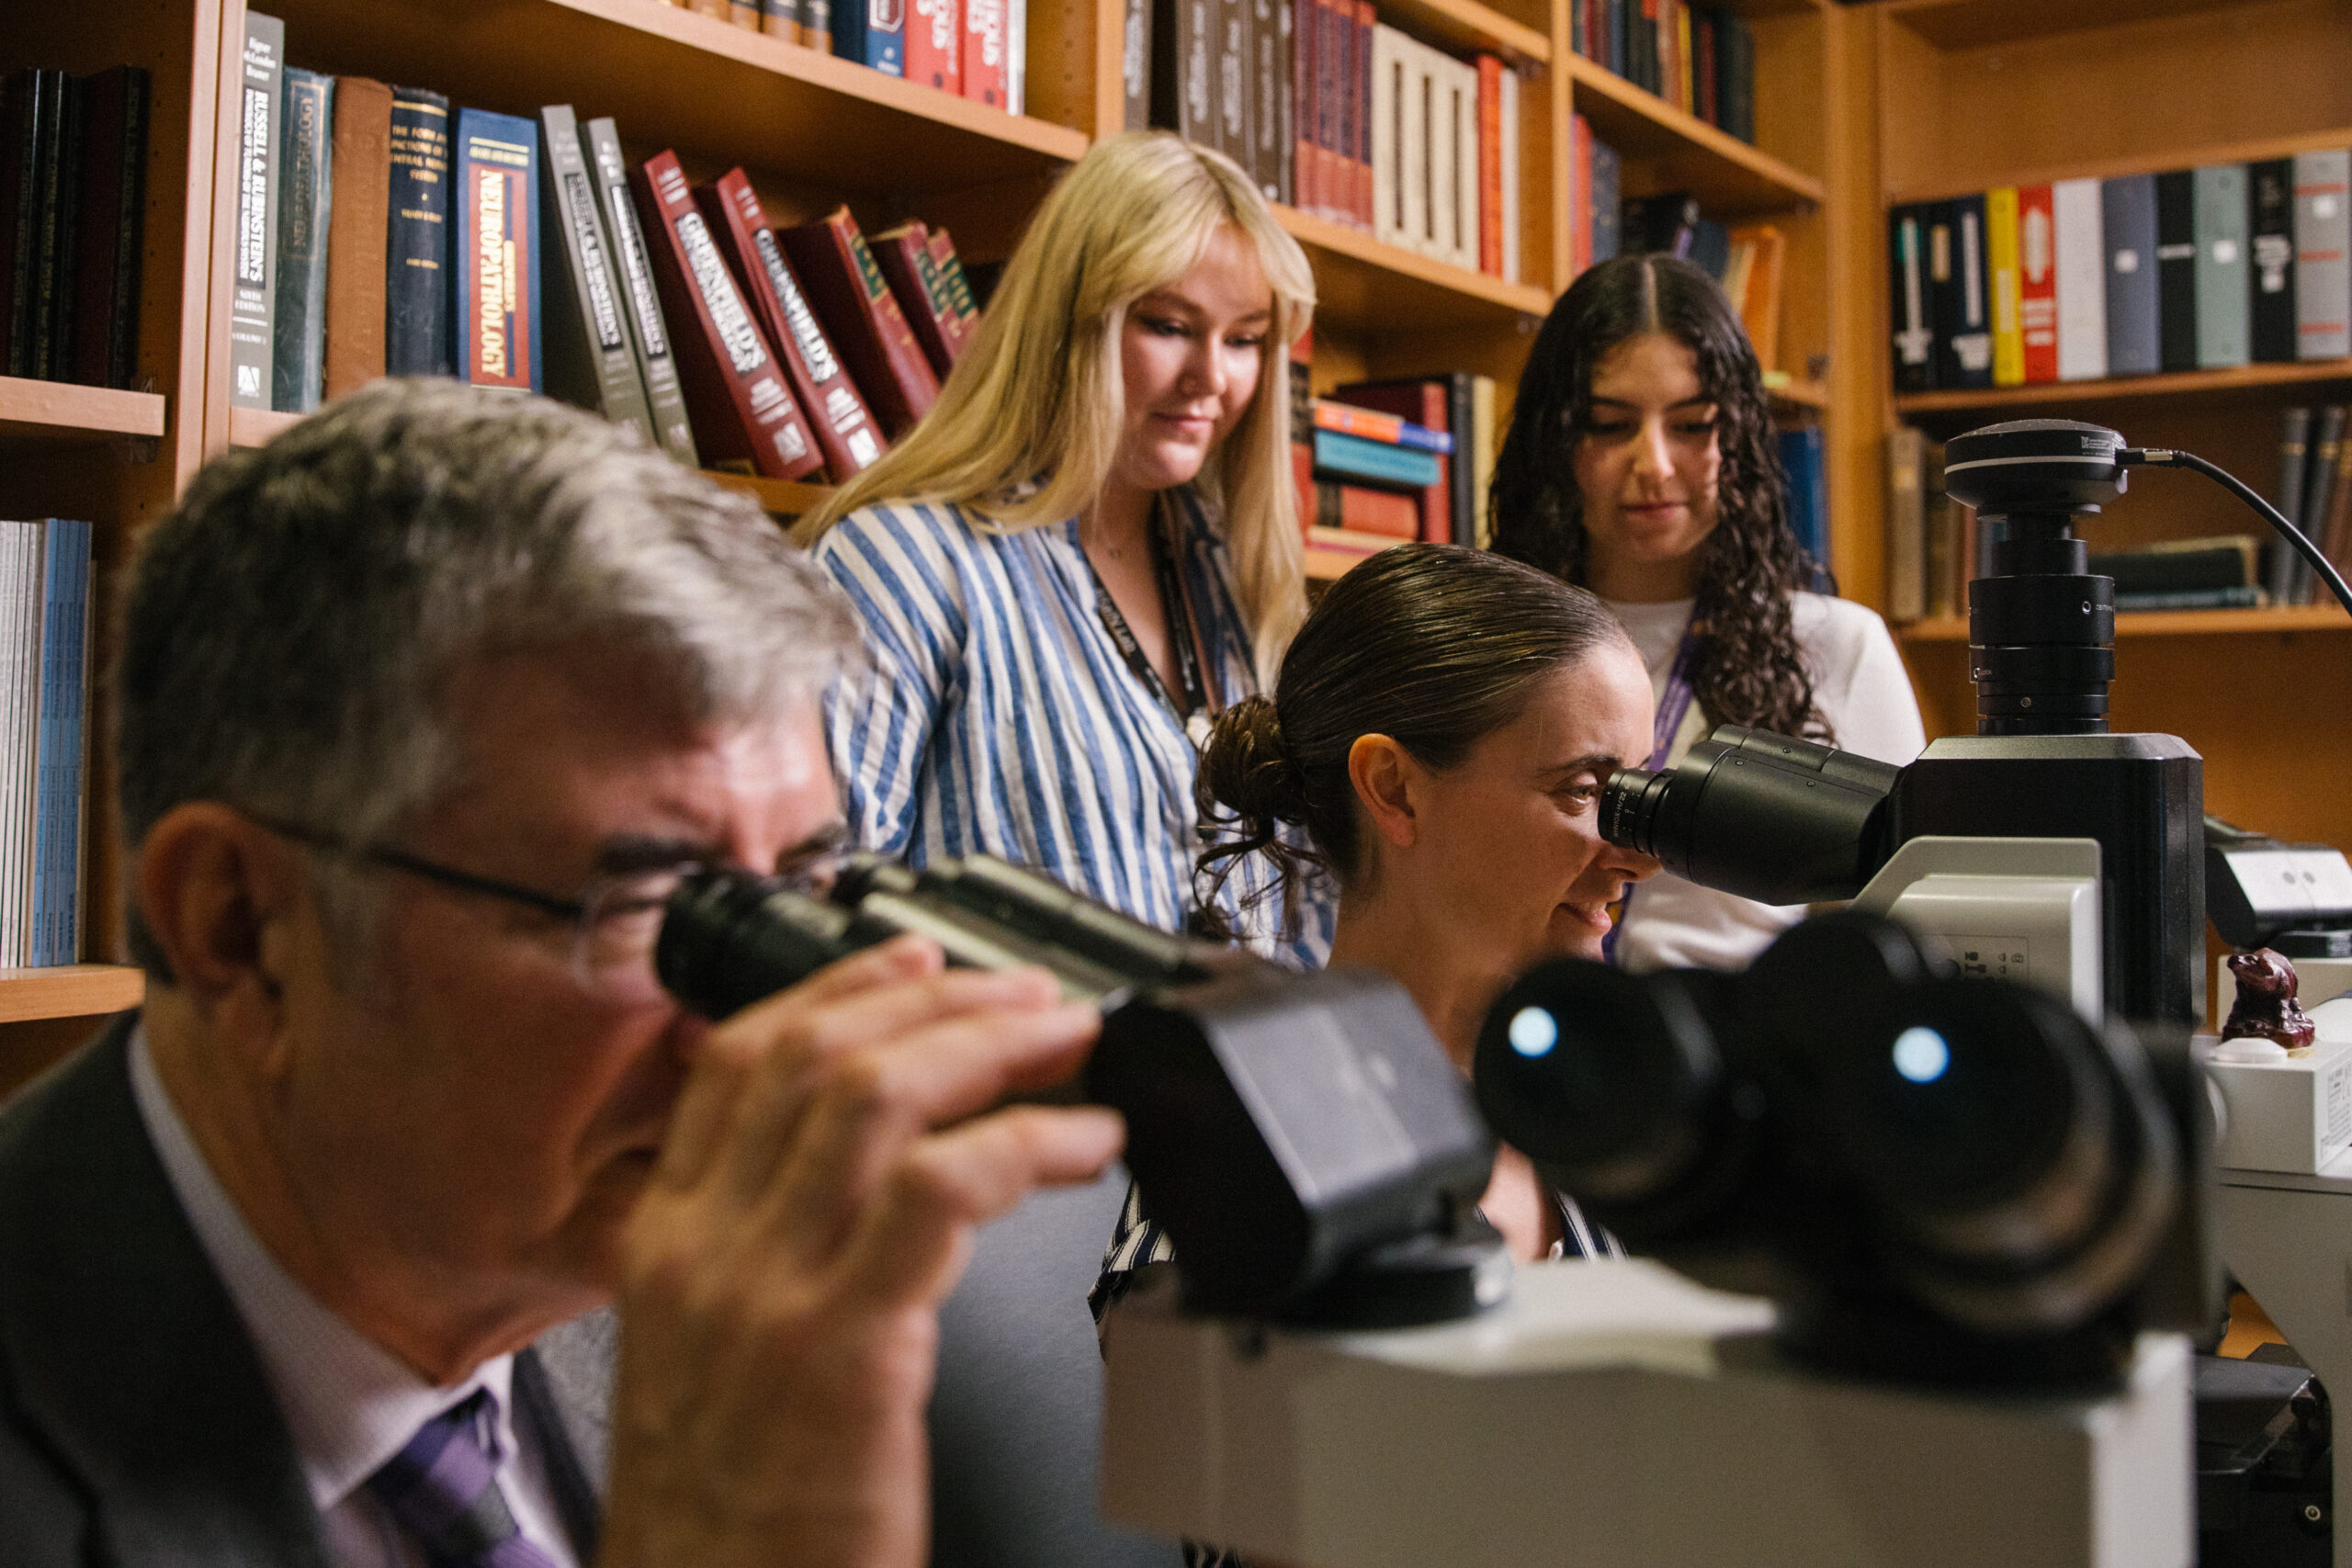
pixel 1248 776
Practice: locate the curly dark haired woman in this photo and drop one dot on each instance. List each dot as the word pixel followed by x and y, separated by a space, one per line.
pixel 1640 464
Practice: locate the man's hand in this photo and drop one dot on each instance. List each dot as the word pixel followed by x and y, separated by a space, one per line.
pixel 813 1207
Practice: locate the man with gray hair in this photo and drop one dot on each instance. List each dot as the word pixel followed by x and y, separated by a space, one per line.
pixel 423 710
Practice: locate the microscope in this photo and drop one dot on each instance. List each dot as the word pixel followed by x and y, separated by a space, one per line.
pixel 1936 1170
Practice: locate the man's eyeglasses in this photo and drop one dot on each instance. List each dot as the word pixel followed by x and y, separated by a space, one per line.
pixel 615 922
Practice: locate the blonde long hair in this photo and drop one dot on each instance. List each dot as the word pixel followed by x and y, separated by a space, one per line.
pixel 1028 427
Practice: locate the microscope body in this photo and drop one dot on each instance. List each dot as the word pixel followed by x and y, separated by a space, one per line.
pixel 2140 798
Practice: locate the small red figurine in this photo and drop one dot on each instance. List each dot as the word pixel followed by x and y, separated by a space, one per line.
pixel 2266 1006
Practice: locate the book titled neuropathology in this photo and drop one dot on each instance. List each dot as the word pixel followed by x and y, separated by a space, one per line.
pixel 497 246
pixel 744 416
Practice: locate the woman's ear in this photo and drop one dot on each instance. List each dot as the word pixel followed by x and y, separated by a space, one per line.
pixel 1384 773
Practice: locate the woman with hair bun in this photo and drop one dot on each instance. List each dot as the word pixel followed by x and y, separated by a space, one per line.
pixel 1439 736
pixel 1639 463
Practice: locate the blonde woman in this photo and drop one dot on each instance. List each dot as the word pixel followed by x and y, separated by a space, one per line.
pixel 1091 546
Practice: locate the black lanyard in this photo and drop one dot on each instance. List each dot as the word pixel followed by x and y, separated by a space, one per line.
pixel 1172 605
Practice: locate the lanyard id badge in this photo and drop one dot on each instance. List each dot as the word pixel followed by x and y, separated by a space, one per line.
pixel 1194 704
pixel 1673 708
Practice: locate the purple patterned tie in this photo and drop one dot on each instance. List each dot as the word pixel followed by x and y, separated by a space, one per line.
pixel 444 1488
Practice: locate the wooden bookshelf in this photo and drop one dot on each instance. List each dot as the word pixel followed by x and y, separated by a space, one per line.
pixel 2053 89
pixel 59 412
pixel 1731 179
pixel 2244 380
pixel 1363 284
pixel 1467 27
pixel 781 497
pixel 1813 395
pixel 2131 624
pixel 68 990
pixel 1974 24
pixel 259 427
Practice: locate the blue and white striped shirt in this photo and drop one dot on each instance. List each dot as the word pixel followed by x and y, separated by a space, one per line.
pixel 998 717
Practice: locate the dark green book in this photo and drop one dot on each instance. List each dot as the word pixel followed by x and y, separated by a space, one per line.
pixel 298 330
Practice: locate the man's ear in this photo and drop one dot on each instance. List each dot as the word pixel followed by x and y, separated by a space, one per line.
pixel 1382 773
pixel 220 893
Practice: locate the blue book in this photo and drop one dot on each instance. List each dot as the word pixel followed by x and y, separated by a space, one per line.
pixel 57 790
pixel 417 340
pixel 1357 458
pixel 872 32
pixel 494 225
pixel 2135 320
pixel 1808 497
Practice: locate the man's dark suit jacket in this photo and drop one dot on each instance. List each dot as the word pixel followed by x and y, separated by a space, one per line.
pixel 137 1427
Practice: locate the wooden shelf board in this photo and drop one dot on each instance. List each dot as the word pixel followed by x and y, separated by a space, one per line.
pixel 1800 394
pixel 2186 384
pixel 1329 564
pixel 1974 24
pixel 62 412
pixel 68 990
pixel 1467 24
pixel 2169 623
pixel 2252 151
pixel 782 497
pixel 1730 178
pixel 1361 283
pixel 259 427
pixel 674 78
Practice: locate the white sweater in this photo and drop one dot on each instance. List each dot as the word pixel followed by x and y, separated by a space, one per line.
pixel 1861 688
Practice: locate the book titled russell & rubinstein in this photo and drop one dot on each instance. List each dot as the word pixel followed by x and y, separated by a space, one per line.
pixel 253 298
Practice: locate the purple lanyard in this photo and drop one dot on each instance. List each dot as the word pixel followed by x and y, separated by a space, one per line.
pixel 1672 708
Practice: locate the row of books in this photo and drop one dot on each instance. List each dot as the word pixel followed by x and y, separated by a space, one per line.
pixel 1935 547
pixel 1336 114
pixel 2316 494
pixel 380 234
pixel 1378 463
pixel 1749 261
pixel 1701 59
pixel 72 210
pixel 974 49
pixel 2192 269
pixel 44 700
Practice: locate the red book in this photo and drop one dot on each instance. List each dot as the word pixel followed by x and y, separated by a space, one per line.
pixel 845 431
pixel 854 306
pixel 743 415
pixel 958 287
pixel 1422 403
pixel 935 45
pixel 986 77
pixel 1490 165
pixel 904 254
pixel 1332 61
pixel 2038 282
pixel 1703 44
pixel 1391 514
pixel 1360 199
